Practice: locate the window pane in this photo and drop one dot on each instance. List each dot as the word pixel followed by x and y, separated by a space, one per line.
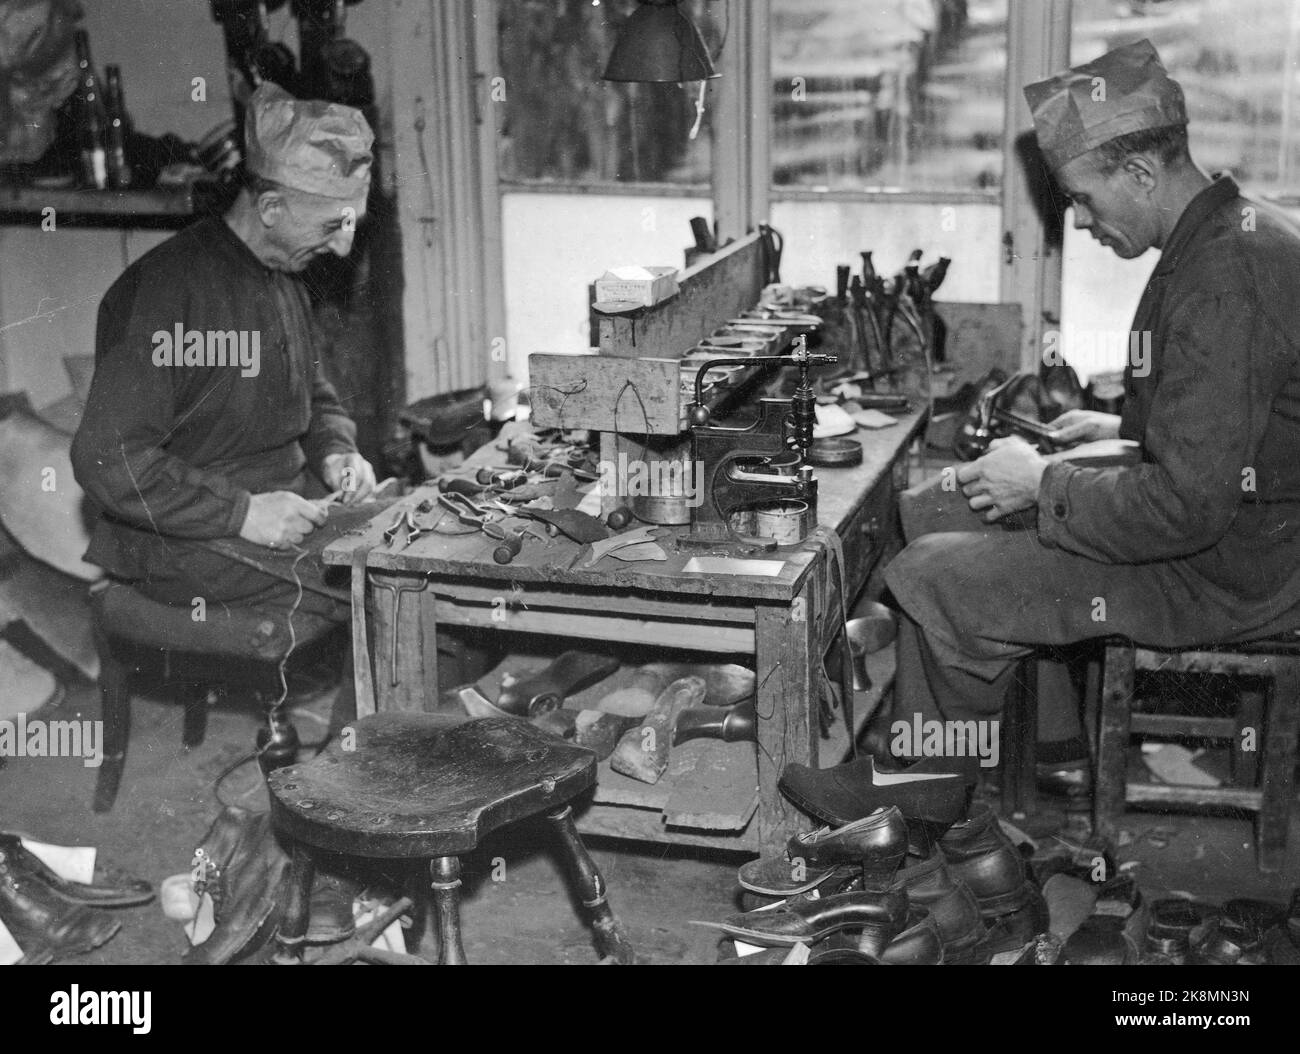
pixel 563 123
pixel 1235 60
pixel 899 95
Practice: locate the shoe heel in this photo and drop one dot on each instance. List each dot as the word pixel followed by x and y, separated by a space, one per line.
pixel 878 873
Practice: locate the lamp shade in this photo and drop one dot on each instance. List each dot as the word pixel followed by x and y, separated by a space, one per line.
pixel 659 44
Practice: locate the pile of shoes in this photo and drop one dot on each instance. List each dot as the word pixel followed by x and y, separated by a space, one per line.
pixel 52 918
pixel 902 873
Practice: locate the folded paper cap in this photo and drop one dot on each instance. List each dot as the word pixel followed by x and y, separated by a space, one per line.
pixel 308 144
pixel 1126 90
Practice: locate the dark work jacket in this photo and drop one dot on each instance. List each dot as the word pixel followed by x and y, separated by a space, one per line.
pixel 174 452
pixel 1217 415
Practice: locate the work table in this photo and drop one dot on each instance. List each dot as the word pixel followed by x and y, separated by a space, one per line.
pixel 716 794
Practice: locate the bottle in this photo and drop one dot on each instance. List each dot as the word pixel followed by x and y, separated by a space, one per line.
pixel 119 169
pixel 91 121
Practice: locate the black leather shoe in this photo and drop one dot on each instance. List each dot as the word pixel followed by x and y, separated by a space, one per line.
pixel 1017 928
pixel 876 845
pixel 1071 781
pixel 954 908
pixel 805 920
pixel 24 862
pixel 331 919
pixel 921 944
pixel 979 853
pixel 1099 941
pixel 925 792
pixel 1170 925
pixel 45 927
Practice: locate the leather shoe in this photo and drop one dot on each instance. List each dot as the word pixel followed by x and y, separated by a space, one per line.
pixel 46 927
pixel 23 861
pixel 806 920
pixel 331 919
pixel 1099 941
pixel 954 908
pixel 876 844
pixel 979 853
pixel 1017 928
pixel 921 944
pixel 1071 780
pixel 924 793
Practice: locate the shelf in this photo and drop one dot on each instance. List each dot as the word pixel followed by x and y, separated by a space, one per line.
pixel 98 208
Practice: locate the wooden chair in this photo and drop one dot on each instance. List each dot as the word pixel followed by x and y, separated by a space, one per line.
pixel 1275 715
pixel 420 786
pixel 135 635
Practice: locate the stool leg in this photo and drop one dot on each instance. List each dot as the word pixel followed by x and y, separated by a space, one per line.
pixel 1277 781
pixel 446 903
pixel 611 940
pixel 115 703
pixel 1118 672
pixel 292 934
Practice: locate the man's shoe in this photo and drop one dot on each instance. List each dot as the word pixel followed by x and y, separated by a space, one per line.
pixel 925 793
pixel 921 944
pixel 24 862
pixel 978 852
pixel 1099 941
pixel 1015 929
pixel 45 926
pixel 331 918
pixel 1070 780
pixel 951 903
pixel 805 920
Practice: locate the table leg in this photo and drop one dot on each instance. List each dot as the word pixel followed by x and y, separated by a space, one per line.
pixel 786 698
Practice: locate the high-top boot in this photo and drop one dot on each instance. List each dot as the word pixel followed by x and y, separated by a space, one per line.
pixel 44 926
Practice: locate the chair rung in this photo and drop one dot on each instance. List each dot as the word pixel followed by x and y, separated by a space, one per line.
pixel 1183 725
pixel 1168 794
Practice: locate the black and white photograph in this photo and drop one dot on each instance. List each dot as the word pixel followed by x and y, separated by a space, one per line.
pixel 652 482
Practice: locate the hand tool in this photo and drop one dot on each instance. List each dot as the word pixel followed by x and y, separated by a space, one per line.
pixel 502 479
pixel 642 753
pixel 596 730
pixel 570 672
pixel 485 519
pixel 397 588
pixel 731 724
pixel 406 525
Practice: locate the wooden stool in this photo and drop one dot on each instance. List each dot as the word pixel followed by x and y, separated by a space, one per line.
pixel 1275 720
pixel 134 634
pixel 432 786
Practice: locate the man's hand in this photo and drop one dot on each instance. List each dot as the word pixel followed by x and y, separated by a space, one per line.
pixel 350 473
pixel 280 519
pixel 1005 480
pixel 1084 426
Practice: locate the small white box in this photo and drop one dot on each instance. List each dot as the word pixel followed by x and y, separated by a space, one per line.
pixel 638 285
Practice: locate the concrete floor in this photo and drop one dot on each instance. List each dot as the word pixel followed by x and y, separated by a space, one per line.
pixel 167 803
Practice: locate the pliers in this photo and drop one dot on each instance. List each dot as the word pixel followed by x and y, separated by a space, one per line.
pixel 487 520
pixel 407 523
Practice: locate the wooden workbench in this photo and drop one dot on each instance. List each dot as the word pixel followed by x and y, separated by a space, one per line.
pixel 775 621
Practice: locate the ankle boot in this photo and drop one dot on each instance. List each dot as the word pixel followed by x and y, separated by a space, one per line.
pixel 44 926
pixel 952 905
pixel 978 852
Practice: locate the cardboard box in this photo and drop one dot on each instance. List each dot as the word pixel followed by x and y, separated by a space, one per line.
pixel 639 285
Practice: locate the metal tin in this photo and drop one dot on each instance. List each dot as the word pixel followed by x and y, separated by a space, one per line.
pixel 785 522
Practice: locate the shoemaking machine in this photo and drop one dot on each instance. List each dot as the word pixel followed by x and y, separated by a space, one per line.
pixel 716 383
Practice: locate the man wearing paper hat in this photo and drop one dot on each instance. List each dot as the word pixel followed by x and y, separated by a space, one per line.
pixel 1197 538
pixel 209 416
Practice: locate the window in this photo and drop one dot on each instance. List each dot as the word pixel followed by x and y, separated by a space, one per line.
pixel 1235 60
pixel 901 95
pixel 564 124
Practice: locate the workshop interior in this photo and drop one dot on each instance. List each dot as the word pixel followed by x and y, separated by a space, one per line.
pixel 704 482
